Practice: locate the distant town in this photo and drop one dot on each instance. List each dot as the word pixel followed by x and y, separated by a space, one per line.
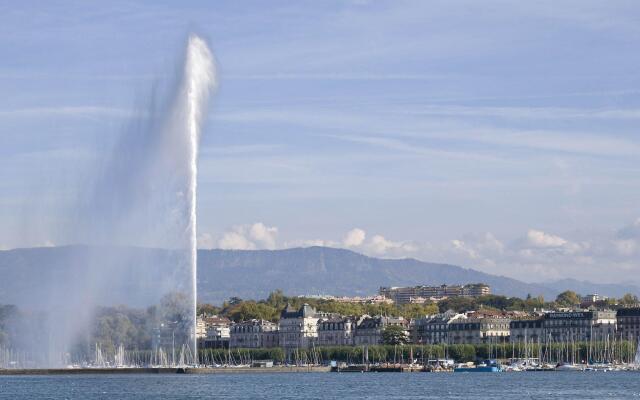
pixel 434 315
pixel 424 327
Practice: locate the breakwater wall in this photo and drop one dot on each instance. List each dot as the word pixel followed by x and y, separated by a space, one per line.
pixel 190 371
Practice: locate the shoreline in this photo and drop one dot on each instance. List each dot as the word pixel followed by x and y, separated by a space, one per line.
pixel 175 370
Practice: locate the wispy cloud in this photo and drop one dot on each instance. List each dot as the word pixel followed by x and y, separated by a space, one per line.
pixel 230 151
pixel 535 113
pixel 391 128
pixel 339 76
pixel 69 111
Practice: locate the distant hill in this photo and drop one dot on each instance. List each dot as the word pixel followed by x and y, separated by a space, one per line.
pixel 25 274
pixel 322 270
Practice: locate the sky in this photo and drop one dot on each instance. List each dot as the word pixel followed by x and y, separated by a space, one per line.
pixel 500 136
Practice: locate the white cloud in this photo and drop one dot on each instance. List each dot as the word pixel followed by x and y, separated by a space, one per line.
pixel 250 237
pixel 540 256
pixel 481 249
pixel 541 239
pixel 379 245
pixel 235 241
pixel 354 238
pixel 206 241
pixel 462 247
pixel 474 245
pixel 265 236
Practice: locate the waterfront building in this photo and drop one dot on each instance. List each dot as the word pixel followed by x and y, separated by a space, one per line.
pixel 254 334
pixel 579 326
pixel 298 328
pixel 527 330
pixel 412 294
pixel 201 327
pixel 217 332
pixel 433 329
pixel 628 323
pixel 336 331
pixel 369 329
pixel 479 330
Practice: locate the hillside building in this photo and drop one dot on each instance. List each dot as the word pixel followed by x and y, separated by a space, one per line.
pixel 412 294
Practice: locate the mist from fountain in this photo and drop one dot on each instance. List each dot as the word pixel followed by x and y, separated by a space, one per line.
pixel 142 195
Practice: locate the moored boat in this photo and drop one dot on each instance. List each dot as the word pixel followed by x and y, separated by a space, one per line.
pixel 566 367
pixel 487 366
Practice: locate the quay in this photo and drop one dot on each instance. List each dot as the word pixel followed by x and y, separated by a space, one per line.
pixel 385 368
pixel 173 370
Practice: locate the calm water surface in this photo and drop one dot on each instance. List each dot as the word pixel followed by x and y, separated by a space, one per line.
pixel 570 385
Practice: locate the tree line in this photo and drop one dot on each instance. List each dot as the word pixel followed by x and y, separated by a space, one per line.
pixel 237 309
pixel 133 327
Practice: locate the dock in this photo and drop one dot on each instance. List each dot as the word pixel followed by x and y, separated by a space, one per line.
pixel 172 370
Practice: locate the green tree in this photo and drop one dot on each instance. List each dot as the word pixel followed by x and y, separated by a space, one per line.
pixel 208 309
pixel 534 302
pixel 462 352
pixel 235 300
pixel 247 310
pixel 458 304
pixel 394 335
pixel 568 298
pixel 413 311
pixel 277 299
pixel 382 309
pixel 629 299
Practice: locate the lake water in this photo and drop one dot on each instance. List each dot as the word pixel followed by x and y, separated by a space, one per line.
pixel 541 385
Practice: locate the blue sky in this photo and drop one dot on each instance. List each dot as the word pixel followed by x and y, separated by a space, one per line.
pixel 497 135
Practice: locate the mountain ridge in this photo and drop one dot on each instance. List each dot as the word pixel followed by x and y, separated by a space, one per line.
pixel 252 274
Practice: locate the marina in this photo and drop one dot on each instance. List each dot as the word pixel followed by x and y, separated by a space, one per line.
pixel 551 386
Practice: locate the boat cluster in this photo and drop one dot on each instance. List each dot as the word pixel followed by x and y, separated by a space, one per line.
pixel 533 365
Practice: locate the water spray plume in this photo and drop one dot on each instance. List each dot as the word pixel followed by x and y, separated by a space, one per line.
pixel 142 196
pixel 199 76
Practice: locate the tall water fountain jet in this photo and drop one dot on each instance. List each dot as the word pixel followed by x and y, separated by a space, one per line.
pixel 199 80
pixel 181 134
